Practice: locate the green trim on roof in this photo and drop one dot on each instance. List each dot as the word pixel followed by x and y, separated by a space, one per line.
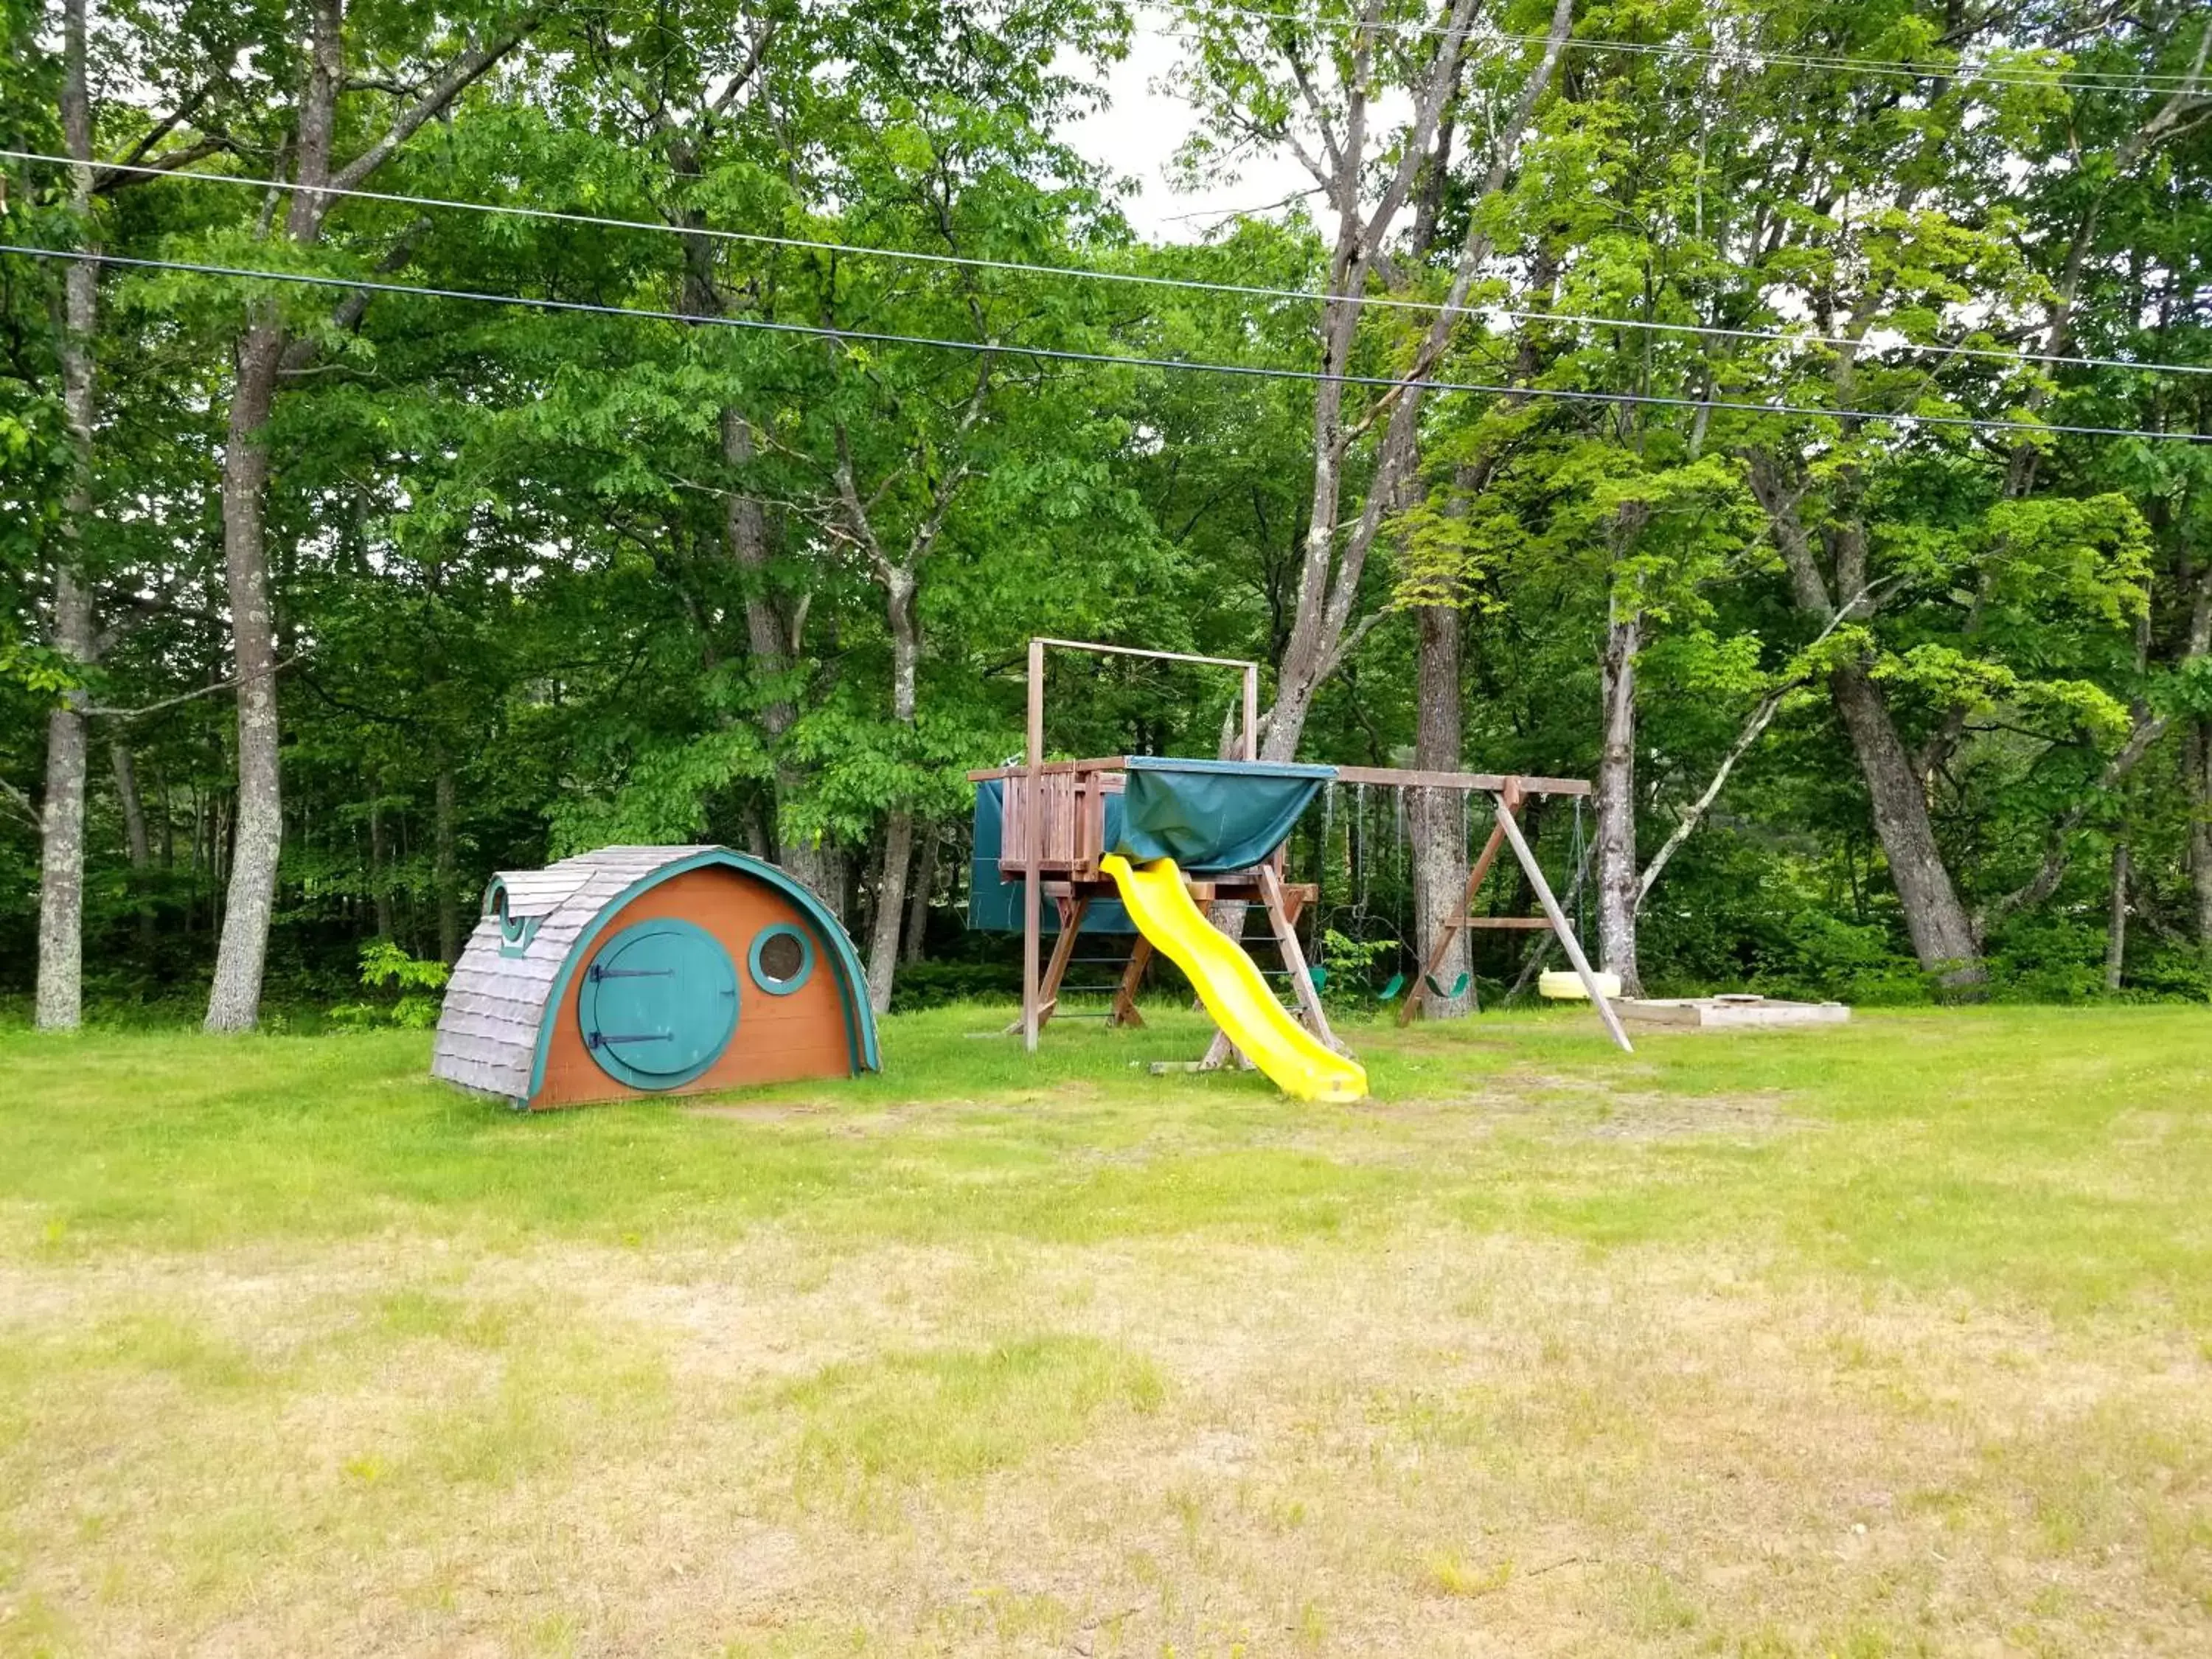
pixel 516 932
pixel 851 983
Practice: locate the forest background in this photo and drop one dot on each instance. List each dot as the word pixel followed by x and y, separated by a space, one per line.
pixel 437 439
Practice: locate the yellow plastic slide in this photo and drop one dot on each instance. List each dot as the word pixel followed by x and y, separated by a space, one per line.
pixel 1231 986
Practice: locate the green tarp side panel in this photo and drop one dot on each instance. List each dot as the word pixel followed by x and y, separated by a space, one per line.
pixel 1211 816
pixel 995 906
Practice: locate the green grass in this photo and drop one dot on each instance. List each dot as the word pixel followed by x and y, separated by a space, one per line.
pixel 961 1413
pixel 1890 1338
pixel 2056 1154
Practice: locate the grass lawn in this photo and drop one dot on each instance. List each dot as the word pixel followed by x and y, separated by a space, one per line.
pixel 1894 1339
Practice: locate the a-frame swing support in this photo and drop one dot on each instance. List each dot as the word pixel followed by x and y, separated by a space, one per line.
pixel 1507 833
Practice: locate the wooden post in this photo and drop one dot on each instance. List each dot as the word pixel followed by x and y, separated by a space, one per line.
pixel 1567 940
pixel 1251 711
pixel 1294 957
pixel 1033 876
pixel 1071 925
pixel 1063 948
pixel 1125 998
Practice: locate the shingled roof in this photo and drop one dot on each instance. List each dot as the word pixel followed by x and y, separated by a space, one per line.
pixel 498 996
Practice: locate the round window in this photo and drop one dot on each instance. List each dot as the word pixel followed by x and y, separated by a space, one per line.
pixel 781 959
pixel 659 1004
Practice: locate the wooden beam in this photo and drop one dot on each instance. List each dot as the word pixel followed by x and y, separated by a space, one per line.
pixel 1251 711
pixel 1532 924
pixel 1138 651
pixel 1033 881
pixel 1063 949
pixel 1490 783
pixel 1132 976
pixel 1294 958
pixel 1387 777
pixel 1567 940
pixel 1112 763
pixel 1014 1030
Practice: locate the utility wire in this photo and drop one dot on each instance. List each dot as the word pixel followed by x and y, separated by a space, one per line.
pixel 1141 279
pixel 1745 54
pixel 1055 354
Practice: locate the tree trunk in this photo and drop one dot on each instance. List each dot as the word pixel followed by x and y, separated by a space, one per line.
pixel 746 530
pixel 137 840
pixel 1335 552
pixel 2197 762
pixel 925 884
pixel 447 870
pixel 1620 883
pixel 218 864
pixel 890 908
pixel 380 869
pixel 901 585
pixel 257 834
pixel 1439 816
pixel 2116 931
pixel 1942 936
pixel 234 999
pixel 59 1004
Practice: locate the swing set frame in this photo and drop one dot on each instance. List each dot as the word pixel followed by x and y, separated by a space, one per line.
pixel 1053 826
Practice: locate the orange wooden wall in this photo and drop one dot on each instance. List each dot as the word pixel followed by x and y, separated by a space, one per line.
pixel 778 1038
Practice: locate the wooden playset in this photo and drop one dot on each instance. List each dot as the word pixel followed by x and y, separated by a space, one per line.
pixel 1075 833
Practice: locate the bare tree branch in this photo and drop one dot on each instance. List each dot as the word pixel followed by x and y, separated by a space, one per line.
pixel 113 179
pixel 230 685
pixel 457 78
pixel 21 803
pixel 755 55
pixel 2148 728
pixel 1443 76
pixel 346 315
pixel 1753 729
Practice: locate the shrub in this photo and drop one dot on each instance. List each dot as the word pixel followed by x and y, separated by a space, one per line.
pixel 410 985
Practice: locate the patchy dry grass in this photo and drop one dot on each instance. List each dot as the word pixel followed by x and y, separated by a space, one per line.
pixel 1891 1341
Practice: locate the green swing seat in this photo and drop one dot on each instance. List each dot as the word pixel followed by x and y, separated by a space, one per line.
pixel 1391 991
pixel 1458 989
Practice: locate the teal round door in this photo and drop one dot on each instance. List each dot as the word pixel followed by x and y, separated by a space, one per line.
pixel 659 1004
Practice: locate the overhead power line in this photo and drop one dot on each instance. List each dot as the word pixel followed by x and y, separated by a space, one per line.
pixel 1138 279
pixel 1056 354
pixel 1746 54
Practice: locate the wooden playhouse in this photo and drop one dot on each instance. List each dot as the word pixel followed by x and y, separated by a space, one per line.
pixel 644 970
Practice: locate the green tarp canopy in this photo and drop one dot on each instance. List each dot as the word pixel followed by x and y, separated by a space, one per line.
pixel 1211 816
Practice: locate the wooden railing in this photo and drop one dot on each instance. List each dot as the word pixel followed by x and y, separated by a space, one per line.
pixel 1072 796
